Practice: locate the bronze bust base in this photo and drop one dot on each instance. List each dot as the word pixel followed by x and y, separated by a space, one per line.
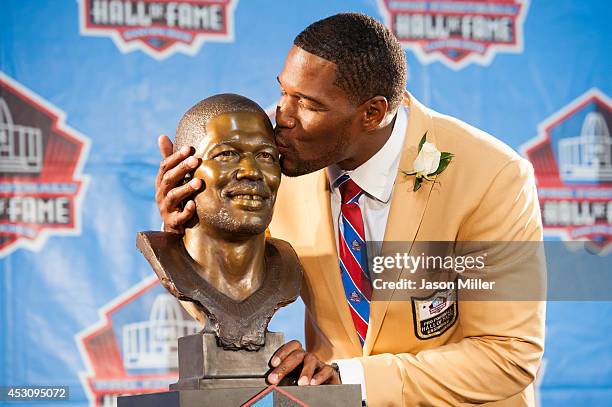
pixel 211 376
pixel 203 364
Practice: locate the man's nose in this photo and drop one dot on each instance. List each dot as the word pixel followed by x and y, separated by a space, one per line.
pixel 285 112
pixel 249 169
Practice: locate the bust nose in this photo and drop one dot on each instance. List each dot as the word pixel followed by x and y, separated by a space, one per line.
pixel 249 169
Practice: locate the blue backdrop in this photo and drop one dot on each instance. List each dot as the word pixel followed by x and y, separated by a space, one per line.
pixel 87 86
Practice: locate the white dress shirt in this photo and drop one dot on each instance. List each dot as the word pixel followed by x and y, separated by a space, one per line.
pixel 376 178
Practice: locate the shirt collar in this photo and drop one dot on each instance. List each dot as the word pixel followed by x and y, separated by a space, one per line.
pixel 377 175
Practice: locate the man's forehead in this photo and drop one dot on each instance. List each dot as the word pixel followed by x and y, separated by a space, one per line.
pixel 309 73
pixel 299 57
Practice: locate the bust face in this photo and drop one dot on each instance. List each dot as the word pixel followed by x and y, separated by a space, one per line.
pixel 241 173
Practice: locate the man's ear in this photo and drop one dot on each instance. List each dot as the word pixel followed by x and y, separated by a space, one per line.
pixel 374 112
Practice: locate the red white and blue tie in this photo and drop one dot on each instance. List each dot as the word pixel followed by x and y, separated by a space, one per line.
pixel 352 255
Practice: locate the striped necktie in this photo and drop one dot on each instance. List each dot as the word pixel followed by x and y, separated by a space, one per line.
pixel 352 255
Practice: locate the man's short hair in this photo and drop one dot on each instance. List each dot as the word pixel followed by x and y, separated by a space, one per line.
pixel 192 126
pixel 370 60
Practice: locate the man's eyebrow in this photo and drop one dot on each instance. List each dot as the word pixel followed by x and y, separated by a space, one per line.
pixel 303 96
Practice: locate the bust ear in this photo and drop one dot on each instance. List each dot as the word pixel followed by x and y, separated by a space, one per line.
pixel 374 112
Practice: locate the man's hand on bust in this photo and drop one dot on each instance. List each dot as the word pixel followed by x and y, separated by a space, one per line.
pixel 314 372
pixel 169 188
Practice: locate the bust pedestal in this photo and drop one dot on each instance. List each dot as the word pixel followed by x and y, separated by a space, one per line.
pixel 212 376
pixel 204 365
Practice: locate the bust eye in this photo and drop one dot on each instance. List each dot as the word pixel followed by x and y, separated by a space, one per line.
pixel 265 156
pixel 226 155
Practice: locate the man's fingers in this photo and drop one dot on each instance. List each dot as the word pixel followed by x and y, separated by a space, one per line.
pixel 287 365
pixel 189 208
pixel 324 375
pixel 313 371
pixel 311 363
pixel 169 191
pixel 176 195
pixel 174 221
pixel 284 351
pixel 165 145
pixel 173 176
pixel 171 161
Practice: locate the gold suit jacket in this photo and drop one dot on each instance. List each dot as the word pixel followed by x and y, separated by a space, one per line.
pixel 493 351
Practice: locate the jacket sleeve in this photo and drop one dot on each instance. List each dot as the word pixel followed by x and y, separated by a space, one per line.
pixel 503 341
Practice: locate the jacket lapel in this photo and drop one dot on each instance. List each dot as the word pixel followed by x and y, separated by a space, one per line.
pixel 406 212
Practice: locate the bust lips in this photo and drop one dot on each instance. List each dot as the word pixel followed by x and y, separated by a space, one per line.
pixel 251 198
pixel 254 189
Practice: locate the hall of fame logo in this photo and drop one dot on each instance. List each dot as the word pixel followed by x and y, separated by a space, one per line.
pixel 133 348
pixel 572 160
pixel 41 158
pixel 160 28
pixel 434 315
pixel 457 32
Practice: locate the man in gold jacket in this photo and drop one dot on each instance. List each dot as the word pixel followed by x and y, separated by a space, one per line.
pixel 344 110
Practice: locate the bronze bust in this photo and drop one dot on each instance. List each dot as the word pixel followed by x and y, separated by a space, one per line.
pixel 234 276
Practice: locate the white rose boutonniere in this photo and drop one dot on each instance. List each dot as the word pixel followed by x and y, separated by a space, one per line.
pixel 428 163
